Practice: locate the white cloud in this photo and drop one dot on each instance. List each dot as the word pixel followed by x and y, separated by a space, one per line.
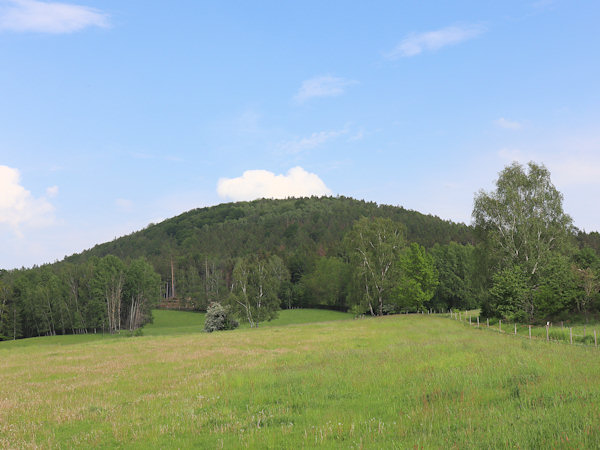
pixel 255 184
pixel 322 86
pixel 312 141
pixel 508 124
pixel 48 17
pixel 52 191
pixel 416 43
pixel 359 135
pixel 18 207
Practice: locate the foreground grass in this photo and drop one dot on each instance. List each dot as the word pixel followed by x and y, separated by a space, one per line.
pixel 392 382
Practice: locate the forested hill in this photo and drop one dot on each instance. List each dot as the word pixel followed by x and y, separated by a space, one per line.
pixel 300 229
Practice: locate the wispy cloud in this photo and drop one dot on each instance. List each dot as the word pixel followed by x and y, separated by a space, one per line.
pixel 255 184
pixel 52 191
pixel 508 124
pixel 359 135
pixel 314 140
pixel 124 204
pixel 322 86
pixel 18 206
pixel 416 43
pixel 48 17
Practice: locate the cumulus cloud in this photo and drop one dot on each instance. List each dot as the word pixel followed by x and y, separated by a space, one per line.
pixel 255 184
pixel 18 206
pixel 314 140
pixel 322 86
pixel 508 124
pixel 416 43
pixel 48 17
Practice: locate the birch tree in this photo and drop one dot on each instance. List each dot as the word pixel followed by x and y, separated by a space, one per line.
pixel 523 229
pixel 108 281
pixel 141 291
pixel 522 222
pixel 255 287
pixel 374 247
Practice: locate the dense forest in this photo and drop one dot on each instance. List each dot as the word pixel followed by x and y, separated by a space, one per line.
pixel 298 252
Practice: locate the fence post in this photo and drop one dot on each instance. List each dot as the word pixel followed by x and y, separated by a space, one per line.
pixel 477 321
pixel 547 333
pixel 488 323
pixel 571 334
pixel 529 331
pixel 500 325
pixel 515 328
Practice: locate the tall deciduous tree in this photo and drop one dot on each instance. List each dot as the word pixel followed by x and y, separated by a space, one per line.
pixel 522 222
pixel 141 291
pixel 256 282
pixel 524 230
pixel 455 267
pixel 418 278
pixel 108 281
pixel 374 247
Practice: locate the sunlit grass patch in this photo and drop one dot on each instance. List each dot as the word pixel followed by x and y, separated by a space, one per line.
pixel 391 382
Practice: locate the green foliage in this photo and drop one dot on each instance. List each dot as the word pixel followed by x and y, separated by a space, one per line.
pixel 255 288
pixel 218 318
pixel 455 265
pixel 140 293
pixel 510 297
pixel 374 247
pixel 418 279
pixel 328 283
pixel 299 231
pixel 522 221
pixel 102 294
pixel 526 239
pixel 557 288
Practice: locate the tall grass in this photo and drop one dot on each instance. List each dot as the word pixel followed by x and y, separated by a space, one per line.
pixel 392 382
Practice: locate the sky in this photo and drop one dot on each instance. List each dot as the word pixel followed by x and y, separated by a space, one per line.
pixel 118 114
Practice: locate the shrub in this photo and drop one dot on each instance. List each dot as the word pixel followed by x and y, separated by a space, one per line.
pixel 218 318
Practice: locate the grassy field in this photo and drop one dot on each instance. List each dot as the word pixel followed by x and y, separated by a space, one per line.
pixel 180 322
pixel 392 382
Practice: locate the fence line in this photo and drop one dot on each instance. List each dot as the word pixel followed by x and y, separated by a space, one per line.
pixel 562 339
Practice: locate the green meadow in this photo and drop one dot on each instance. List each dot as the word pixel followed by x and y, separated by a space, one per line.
pixel 392 382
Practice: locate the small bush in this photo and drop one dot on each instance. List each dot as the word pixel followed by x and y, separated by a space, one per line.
pixel 218 318
pixel 135 333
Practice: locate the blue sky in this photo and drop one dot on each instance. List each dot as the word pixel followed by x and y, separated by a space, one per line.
pixel 117 114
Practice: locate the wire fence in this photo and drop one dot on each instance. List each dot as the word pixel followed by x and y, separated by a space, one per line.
pixel 579 335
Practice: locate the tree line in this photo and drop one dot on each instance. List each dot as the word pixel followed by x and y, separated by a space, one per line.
pixel 522 260
pixel 101 295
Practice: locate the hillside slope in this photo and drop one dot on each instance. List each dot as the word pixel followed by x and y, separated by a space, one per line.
pixel 304 228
